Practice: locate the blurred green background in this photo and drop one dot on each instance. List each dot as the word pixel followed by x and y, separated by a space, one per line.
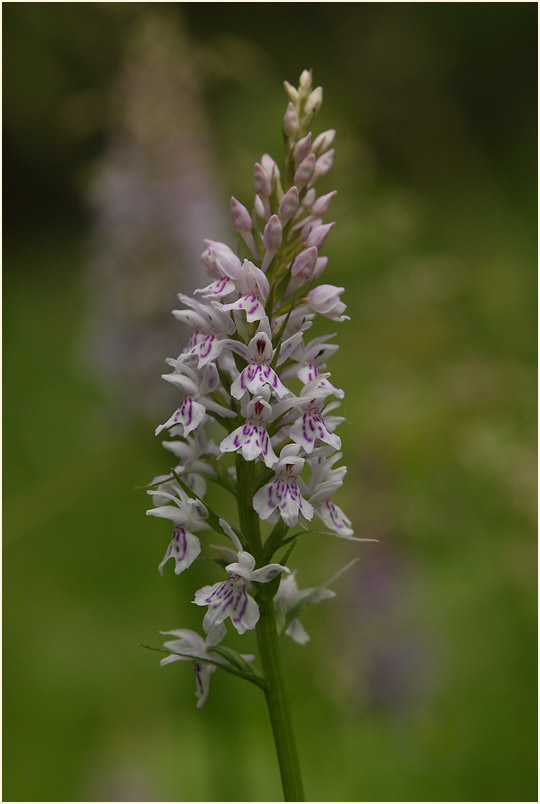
pixel 126 129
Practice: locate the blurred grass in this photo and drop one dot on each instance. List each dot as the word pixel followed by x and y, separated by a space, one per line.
pixel 420 679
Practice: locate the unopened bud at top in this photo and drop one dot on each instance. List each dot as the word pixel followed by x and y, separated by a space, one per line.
pixel 302 148
pixel 318 234
pixel 270 166
pixel 323 141
pixel 305 83
pixel 259 207
pixel 272 234
pixel 305 170
pixel 240 216
pixel 305 263
pixel 289 205
pixel 320 206
pixel 291 121
pixel 314 102
pixel 324 165
pixel 291 92
pixel 261 181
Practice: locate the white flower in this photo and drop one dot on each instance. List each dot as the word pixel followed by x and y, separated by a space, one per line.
pixel 258 372
pixel 251 438
pixel 186 515
pixel 210 326
pixel 323 483
pixel 196 387
pixel 282 497
pixel 254 287
pixel 287 597
pixel 190 643
pixel 311 425
pixel 230 598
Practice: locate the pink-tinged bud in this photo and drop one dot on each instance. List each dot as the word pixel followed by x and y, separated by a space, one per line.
pixel 309 198
pixel 305 263
pixel 308 226
pixel 291 121
pixel 261 182
pixel 240 216
pixel 325 301
pixel 259 207
pixel 291 92
pixel 314 102
pixel 305 83
pixel 323 142
pixel 302 148
pixel 318 234
pixel 305 170
pixel 324 164
pixel 270 167
pixel 320 207
pixel 272 234
pixel 220 260
pixel 289 205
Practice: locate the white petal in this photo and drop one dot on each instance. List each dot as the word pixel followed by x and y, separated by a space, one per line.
pixel 184 548
pixel 297 631
pixel 202 677
pixel 268 573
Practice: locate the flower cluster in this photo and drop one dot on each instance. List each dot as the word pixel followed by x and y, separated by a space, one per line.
pixel 250 367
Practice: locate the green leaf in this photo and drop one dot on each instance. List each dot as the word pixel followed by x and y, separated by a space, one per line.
pixel 233 658
pixel 227 668
pixel 296 610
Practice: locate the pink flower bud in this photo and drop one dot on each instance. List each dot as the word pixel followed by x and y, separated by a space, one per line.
pixel 302 148
pixel 272 234
pixel 240 216
pixel 323 142
pixel 291 92
pixel 320 207
pixel 270 167
pixel 289 205
pixel 305 263
pixel 325 301
pixel 313 103
pixel 261 182
pixel 220 260
pixel 324 164
pixel 305 170
pixel 291 122
pixel 307 227
pixel 318 234
pixel 259 207
pixel 309 198
pixel 305 83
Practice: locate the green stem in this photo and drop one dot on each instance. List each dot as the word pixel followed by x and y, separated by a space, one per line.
pixel 278 706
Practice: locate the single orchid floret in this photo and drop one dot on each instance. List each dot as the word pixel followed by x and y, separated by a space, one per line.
pixel 324 481
pixel 282 497
pixel 194 647
pixel 230 598
pixel 311 359
pixel 251 438
pixel 220 260
pixel 325 300
pixel 196 388
pixel 288 596
pixel 210 326
pixel 187 515
pixel 311 425
pixel 258 372
pixel 254 287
